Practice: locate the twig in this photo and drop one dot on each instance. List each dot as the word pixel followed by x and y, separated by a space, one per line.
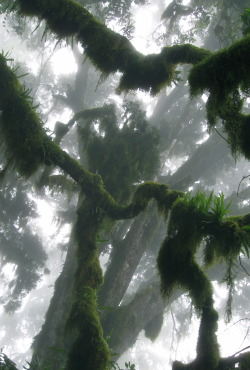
pixel 243 178
pixel 243 266
pixel 221 135
pixel 243 349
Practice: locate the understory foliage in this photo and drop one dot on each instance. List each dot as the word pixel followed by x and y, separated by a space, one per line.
pixel 122 156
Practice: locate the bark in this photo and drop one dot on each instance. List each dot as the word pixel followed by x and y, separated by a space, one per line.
pixel 125 257
pixel 207 157
pixel 125 323
pixel 50 345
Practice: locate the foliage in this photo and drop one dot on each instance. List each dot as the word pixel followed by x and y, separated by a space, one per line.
pixel 20 247
pixel 193 220
pixel 128 365
pixel 6 363
pixel 121 154
pixel 245 17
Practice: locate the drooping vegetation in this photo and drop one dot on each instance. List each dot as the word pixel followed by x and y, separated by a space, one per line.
pixel 122 156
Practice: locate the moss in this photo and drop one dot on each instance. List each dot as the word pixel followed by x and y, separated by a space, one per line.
pixel 192 220
pixel 23 138
pixel 188 54
pixel 178 269
pixel 225 240
pixel 109 51
pixel 245 363
pixel 149 73
pixel 90 350
pixel 225 70
pixel 147 191
pixel 207 346
pixel 243 136
pixel 223 74
pixel 208 355
pixel 61 20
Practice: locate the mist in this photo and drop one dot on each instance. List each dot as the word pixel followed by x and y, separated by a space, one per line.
pixel 124 174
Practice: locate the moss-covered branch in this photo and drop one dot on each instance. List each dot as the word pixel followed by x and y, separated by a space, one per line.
pixel 108 50
pixel 225 75
pixel 89 349
pixel 194 220
pixel 27 147
pixel 222 73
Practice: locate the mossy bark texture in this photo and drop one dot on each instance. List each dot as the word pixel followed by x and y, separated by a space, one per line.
pixel 89 351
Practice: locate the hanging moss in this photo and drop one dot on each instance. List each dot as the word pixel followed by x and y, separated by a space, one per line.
pixel 109 51
pixel 122 156
pixel 178 269
pixel 23 138
pixel 243 137
pixel 193 220
pixel 150 73
pixel 223 71
pixel 224 74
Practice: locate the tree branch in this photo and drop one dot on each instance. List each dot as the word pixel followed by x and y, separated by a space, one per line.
pixel 108 50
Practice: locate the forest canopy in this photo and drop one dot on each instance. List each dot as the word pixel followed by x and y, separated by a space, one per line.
pixel 119 164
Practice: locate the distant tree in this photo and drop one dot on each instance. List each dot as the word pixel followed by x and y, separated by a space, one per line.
pixel 117 158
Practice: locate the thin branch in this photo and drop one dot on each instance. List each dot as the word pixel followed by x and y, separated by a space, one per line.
pixel 221 135
pixel 243 266
pixel 243 178
pixel 236 322
pixel 243 349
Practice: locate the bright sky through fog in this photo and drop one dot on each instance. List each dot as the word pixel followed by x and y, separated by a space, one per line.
pixel 63 62
pixel 146 22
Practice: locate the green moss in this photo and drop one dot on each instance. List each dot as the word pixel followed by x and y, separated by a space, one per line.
pixel 61 20
pixel 178 269
pixel 224 74
pixel 207 346
pixel 243 137
pixel 90 351
pixel 109 51
pixel 149 73
pixel 121 156
pixel 188 54
pixel 23 138
pixel 225 240
pixel 225 70
pixel 245 363
pixel 192 220
pixel 147 191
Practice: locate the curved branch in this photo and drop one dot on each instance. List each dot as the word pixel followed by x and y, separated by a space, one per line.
pixel 108 50
pixel 27 147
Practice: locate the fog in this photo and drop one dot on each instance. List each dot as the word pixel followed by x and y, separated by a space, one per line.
pixel 126 138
